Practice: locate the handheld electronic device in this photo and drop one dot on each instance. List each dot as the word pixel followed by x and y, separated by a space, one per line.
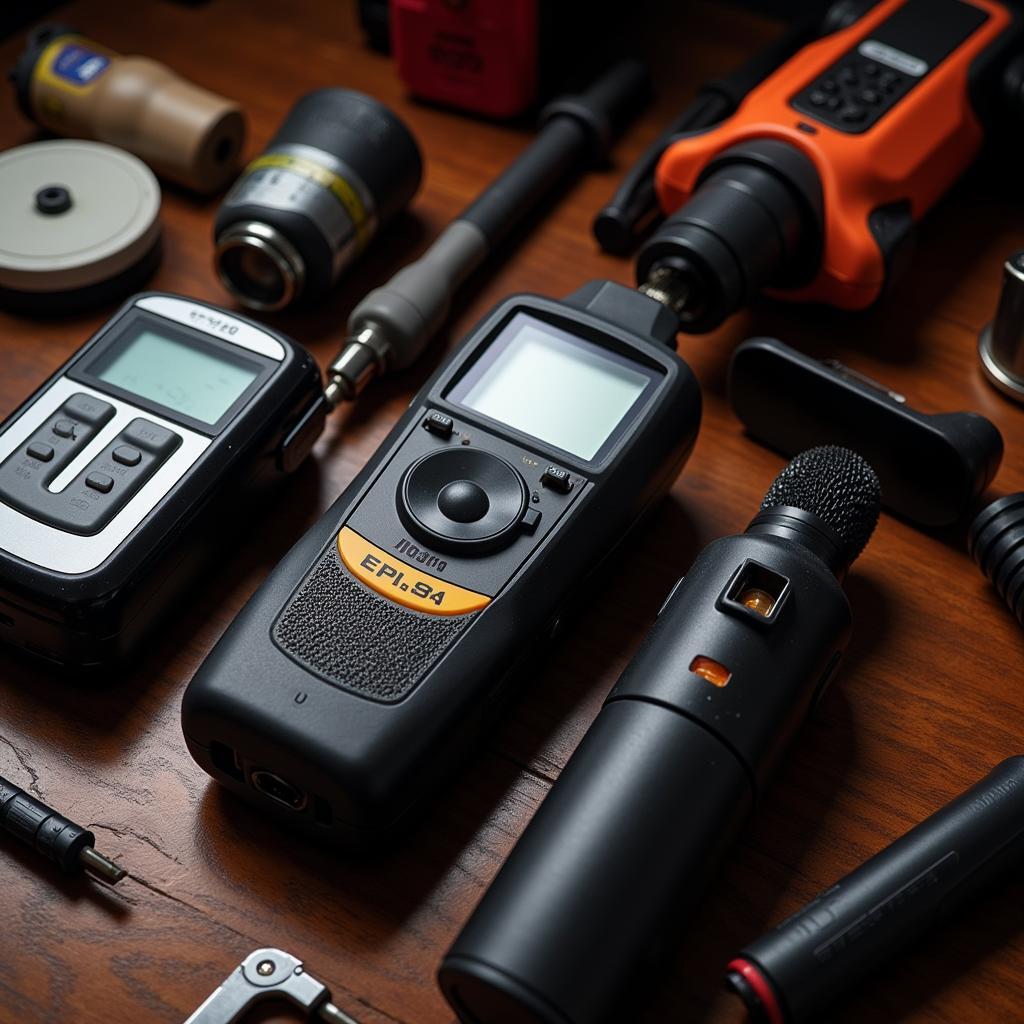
pixel 105 469
pixel 814 186
pixel 800 969
pixel 744 646
pixel 383 642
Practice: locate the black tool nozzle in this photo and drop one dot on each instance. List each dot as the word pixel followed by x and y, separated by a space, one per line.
pixel 755 220
pixel 633 209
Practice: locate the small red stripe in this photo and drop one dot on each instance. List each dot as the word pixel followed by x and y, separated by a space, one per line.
pixel 762 989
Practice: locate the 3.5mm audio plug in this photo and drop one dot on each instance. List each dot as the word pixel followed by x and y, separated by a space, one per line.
pixel 51 834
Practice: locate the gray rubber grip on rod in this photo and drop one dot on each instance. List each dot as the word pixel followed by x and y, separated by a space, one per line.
pixel 411 307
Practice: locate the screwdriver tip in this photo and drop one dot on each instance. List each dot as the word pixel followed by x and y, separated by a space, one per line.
pixel 101 867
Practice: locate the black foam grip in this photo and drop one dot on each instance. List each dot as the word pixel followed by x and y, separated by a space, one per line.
pixel 359 640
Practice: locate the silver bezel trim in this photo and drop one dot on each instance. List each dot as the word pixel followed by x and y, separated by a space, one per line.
pixel 214 322
pixel 52 548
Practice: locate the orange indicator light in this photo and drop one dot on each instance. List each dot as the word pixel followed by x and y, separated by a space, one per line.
pixel 757 600
pixel 711 670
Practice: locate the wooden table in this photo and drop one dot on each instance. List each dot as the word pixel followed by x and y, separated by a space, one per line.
pixel 930 699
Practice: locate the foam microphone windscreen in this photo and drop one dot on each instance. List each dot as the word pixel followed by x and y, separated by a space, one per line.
pixel 838 486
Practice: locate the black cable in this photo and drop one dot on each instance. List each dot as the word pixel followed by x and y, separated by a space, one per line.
pixel 57 838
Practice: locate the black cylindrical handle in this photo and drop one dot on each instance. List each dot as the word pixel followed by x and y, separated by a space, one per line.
pixel 635 823
pixel 797 971
pixel 51 834
pixel 575 128
pixel 580 902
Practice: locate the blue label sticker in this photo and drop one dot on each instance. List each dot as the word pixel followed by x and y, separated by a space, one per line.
pixel 78 65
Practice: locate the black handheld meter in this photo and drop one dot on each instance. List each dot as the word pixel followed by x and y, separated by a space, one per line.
pixel 386 638
pixel 105 469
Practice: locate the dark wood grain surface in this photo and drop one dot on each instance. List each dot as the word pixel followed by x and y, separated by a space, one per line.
pixel 931 698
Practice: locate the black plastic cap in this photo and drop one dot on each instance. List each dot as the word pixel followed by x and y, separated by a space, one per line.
pixel 363 134
pixel 754 220
pixel 996 543
pixel 24 67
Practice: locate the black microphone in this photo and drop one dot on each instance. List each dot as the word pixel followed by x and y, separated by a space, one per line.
pixel 743 648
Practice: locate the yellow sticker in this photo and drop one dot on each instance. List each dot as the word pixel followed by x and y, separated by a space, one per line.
pixel 403 583
pixel 336 185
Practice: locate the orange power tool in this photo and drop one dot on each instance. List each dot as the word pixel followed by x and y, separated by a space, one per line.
pixel 813 187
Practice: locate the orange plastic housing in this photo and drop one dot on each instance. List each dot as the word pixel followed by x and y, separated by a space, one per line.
pixel 914 152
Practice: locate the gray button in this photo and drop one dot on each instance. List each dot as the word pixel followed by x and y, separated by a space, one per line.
pixel 151 437
pixel 42 452
pixel 126 455
pixel 88 409
pixel 100 482
pixel 64 428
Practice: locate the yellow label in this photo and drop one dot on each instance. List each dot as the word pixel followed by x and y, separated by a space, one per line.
pixel 336 185
pixel 403 583
pixel 77 79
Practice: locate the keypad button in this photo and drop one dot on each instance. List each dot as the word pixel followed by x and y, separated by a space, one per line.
pixel 463 501
pixel 42 452
pixel 889 81
pixel 869 70
pixel 88 409
pixel 440 424
pixel 828 85
pixel 852 114
pixel 818 98
pixel 126 455
pixel 847 76
pixel 870 96
pixel 151 437
pixel 100 482
pixel 64 428
pixel 557 479
pixel 834 103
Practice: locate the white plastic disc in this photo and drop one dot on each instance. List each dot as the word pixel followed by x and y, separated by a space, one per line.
pixel 110 225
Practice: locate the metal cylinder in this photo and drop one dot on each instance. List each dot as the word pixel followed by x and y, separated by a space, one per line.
pixel 1001 346
pixel 340 166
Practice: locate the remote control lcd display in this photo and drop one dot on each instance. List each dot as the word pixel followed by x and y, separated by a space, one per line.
pixel 192 380
pixel 561 389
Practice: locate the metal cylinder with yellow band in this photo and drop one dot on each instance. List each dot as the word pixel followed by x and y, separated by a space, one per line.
pixel 79 89
pixel 340 166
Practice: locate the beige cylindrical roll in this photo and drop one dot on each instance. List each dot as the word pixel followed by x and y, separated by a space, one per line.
pixel 79 89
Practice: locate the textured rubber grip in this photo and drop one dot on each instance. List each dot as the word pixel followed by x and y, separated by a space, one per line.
pixel 356 639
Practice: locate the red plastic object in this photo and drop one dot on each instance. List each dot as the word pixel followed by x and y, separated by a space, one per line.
pixel 479 55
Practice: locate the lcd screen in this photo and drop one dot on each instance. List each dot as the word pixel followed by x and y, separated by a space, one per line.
pixel 186 378
pixel 561 389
